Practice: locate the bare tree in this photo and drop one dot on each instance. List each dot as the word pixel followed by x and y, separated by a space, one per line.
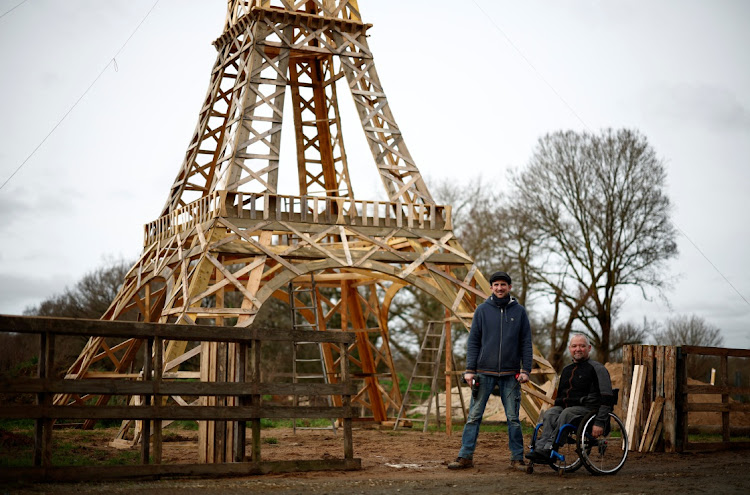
pixel 89 297
pixel 692 330
pixel 601 220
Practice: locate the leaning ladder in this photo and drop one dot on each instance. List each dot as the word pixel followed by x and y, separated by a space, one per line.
pixel 426 371
pixel 307 357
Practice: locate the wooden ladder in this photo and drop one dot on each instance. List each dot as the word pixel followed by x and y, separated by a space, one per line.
pixel 426 371
pixel 308 363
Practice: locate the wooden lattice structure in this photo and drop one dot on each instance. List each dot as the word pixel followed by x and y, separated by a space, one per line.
pixel 227 241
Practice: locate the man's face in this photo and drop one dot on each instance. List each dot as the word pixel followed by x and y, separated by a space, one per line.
pixel 579 349
pixel 500 288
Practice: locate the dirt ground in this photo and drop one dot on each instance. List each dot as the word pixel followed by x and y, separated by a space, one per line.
pixel 410 462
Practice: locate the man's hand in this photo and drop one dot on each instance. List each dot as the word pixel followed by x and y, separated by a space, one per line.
pixel 469 378
pixel 597 431
pixel 523 377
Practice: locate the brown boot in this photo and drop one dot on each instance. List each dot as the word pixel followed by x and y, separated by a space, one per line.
pixel 461 463
pixel 518 464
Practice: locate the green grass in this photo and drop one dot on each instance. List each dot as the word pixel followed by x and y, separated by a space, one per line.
pixel 301 423
pixel 66 453
pixel 706 438
pixel 184 424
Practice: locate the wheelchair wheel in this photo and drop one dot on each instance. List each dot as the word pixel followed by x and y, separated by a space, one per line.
pixel 571 461
pixel 607 453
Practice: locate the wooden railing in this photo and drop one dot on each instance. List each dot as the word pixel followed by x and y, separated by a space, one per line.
pixel 182 219
pixel 306 209
pixel 152 389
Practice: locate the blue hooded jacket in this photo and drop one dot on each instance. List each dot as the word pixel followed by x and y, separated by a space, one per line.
pixel 499 340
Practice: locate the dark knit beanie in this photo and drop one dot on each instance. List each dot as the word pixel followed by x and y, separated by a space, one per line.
pixel 500 276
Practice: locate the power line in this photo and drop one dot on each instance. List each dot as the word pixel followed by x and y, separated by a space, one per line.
pixel 714 266
pixel 112 61
pixel 12 9
pixel 528 62
pixel 572 110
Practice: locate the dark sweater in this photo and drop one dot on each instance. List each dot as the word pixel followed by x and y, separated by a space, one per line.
pixel 586 383
pixel 500 339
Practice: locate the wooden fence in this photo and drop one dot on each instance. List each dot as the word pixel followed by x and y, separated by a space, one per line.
pixel 248 390
pixel 725 406
pixel 657 397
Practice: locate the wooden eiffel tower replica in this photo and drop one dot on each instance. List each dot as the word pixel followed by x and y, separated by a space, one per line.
pixel 227 241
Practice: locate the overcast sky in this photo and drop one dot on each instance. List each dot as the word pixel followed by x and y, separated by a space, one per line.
pixel 472 85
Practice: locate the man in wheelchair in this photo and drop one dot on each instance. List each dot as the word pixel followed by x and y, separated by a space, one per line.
pixel 584 387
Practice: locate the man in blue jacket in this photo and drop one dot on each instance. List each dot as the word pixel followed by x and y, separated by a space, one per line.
pixel 498 355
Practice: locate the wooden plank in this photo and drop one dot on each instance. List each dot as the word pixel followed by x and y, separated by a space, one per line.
pixel 647 426
pixel 167 331
pixel 631 423
pixel 670 389
pixel 654 419
pixel 659 371
pixel 656 437
pixel 627 377
pixel 648 386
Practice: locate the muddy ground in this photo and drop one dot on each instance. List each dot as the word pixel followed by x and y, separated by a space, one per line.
pixel 410 462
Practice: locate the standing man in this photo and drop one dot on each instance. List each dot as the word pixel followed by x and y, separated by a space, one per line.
pixel 585 386
pixel 498 354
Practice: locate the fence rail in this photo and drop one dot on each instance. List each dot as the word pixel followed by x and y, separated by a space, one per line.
pixel 151 387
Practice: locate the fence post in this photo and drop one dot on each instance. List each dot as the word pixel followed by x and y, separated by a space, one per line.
pixel 43 427
pixel 255 399
pixel 346 401
pixel 158 368
pixel 681 431
pixel 146 403
pixel 239 431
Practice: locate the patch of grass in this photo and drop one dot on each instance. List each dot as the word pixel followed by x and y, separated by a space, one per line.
pixel 16 424
pixel 271 440
pixel 185 425
pixel 301 423
pixel 69 447
pixel 706 438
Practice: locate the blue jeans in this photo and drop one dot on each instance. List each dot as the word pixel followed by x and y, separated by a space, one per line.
pixel 510 394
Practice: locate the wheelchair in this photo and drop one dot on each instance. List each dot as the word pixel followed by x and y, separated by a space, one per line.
pixel 575 447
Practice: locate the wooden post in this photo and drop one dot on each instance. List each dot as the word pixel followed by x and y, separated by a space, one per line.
pixel 681 433
pixel 240 431
pixel 255 399
pixel 648 387
pixel 724 383
pixel 158 368
pixel 146 401
pixel 347 402
pixel 448 376
pixel 43 427
pixel 670 389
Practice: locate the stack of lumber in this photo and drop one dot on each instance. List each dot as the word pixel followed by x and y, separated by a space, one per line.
pixel 649 381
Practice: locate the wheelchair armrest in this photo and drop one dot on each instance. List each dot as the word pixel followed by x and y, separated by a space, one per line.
pixel 611 400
